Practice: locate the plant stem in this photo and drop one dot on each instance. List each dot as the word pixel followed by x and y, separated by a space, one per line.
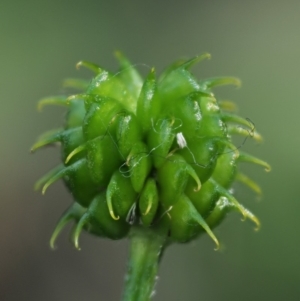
pixel 146 247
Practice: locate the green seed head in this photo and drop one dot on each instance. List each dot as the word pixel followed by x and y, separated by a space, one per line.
pixel 155 152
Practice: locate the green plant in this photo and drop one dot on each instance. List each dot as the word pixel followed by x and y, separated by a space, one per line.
pixel 149 159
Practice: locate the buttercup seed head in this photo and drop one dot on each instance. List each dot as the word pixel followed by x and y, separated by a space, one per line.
pixel 154 152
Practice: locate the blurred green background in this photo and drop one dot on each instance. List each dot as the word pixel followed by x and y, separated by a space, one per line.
pixel 258 41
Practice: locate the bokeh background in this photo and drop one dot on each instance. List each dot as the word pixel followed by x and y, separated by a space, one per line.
pixel 258 41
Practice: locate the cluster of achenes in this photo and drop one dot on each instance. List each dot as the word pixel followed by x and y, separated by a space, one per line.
pixel 153 152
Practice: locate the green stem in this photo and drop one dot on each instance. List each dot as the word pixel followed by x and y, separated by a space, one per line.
pixel 146 246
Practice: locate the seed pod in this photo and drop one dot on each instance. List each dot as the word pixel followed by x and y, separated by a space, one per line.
pixel 148 105
pixel 160 140
pixel 203 154
pixel 103 159
pixel 98 219
pixel 100 115
pixel 186 222
pixel 211 124
pixel 204 199
pixel 156 152
pixel 76 177
pixel 169 89
pixel 186 109
pixel 120 196
pixel 139 164
pixel 127 133
pixel 172 178
pixel 148 202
